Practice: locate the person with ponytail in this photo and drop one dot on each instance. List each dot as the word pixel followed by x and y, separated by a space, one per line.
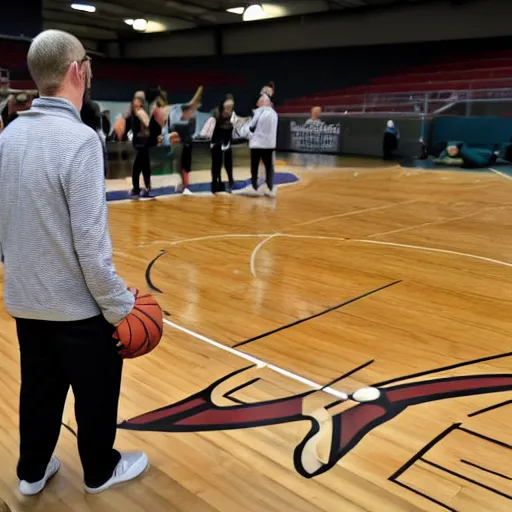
pixel 181 125
pixel 263 142
pixel 221 139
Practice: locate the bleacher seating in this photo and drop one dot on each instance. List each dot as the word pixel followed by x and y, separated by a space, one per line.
pixel 452 76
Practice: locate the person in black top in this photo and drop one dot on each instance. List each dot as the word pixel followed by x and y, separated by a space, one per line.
pixel 15 104
pixel 91 116
pixel 106 125
pixel 139 124
pixel 185 127
pixel 221 145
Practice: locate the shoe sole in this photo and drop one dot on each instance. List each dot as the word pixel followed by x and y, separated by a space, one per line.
pixel 134 472
pixel 44 484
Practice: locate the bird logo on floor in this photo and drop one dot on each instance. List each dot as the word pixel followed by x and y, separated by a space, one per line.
pixel 335 429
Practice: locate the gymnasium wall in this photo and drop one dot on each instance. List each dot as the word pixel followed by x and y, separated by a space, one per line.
pixel 432 21
pixel 475 131
pixel 296 73
pixel 345 134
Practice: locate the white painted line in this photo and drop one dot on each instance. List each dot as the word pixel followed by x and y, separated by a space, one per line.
pixel 259 362
pixel 499 173
pixel 355 212
pixel 432 249
pixel 432 223
pixel 252 262
pixel 202 238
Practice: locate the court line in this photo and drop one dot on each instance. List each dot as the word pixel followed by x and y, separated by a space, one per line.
pixel 150 284
pixel 490 408
pixel 259 362
pixel 495 473
pixel 434 222
pixel 252 261
pixel 202 238
pixel 467 479
pixel 432 249
pixel 499 173
pixel 316 315
pixel 355 212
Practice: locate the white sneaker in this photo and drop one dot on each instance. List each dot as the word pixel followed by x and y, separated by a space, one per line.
pixel 187 192
pixel 270 193
pixel 249 191
pixel 130 467
pixel 32 489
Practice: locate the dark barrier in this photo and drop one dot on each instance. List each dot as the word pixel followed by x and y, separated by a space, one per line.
pixel 343 134
pixel 474 131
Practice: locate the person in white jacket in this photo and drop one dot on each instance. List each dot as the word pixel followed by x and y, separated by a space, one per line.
pixel 263 142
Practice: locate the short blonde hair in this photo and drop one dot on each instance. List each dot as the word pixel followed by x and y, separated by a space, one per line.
pixel 49 57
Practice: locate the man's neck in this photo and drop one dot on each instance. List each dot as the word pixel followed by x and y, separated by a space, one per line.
pixel 65 95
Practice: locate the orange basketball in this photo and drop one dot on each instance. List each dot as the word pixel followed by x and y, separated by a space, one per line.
pixel 141 331
pixel 174 138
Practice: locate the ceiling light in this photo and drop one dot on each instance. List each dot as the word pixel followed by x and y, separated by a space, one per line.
pixel 254 12
pixel 129 22
pixel 236 10
pixel 140 24
pixel 83 7
pixel 155 26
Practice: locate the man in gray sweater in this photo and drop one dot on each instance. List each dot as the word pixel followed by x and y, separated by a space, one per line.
pixel 60 283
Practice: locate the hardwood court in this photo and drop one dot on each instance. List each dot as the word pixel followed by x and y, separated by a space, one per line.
pixel 407 278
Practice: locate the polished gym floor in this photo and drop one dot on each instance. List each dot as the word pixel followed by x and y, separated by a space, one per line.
pixel 278 313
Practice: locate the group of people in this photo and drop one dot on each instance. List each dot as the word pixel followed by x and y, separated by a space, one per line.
pixel 175 126
pixel 16 103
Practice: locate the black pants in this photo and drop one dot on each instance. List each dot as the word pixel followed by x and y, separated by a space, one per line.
pixel 141 164
pixel 267 155
pixel 55 356
pixel 389 146
pixel 218 158
pixel 186 158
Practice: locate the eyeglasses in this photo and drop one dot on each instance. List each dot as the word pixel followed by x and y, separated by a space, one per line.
pixel 86 58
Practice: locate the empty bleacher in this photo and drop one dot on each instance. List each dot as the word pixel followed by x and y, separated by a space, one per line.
pixel 420 89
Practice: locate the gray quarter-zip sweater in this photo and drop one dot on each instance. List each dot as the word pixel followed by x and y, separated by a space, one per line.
pixel 54 233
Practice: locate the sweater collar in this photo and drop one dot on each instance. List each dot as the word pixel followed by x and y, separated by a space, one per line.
pixel 59 106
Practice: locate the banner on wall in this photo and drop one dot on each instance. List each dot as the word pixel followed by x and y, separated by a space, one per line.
pixel 306 136
pixel 315 137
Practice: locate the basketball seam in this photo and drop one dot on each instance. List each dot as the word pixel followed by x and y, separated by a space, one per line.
pixel 130 329
pixel 160 329
pixel 146 341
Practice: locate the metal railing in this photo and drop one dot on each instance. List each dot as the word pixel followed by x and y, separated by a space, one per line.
pixel 416 102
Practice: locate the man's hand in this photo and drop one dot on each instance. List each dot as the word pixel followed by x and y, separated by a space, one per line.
pixel 135 294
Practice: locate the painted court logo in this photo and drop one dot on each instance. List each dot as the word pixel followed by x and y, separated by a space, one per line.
pixel 333 432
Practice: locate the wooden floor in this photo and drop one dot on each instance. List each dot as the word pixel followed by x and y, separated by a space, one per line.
pixel 407 276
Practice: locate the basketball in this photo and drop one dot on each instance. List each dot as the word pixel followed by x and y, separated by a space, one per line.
pixel 141 331
pixel 174 138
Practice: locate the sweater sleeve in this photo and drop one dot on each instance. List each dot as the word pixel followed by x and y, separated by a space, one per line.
pixel 91 236
pixel 255 119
